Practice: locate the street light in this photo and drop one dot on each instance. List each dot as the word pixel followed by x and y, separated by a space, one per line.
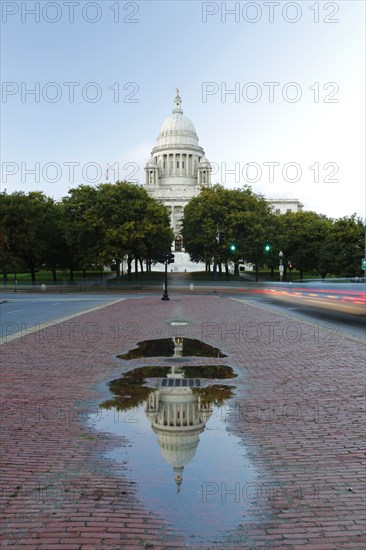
pixel 280 255
pixel 166 259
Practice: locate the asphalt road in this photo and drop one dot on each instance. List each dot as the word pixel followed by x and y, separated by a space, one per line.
pixel 21 312
pixel 320 316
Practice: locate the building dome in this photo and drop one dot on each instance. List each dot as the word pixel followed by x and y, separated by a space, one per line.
pixel 178 449
pixel 204 162
pixel 177 129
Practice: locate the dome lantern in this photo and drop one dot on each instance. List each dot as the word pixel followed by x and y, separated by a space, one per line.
pixel 177 108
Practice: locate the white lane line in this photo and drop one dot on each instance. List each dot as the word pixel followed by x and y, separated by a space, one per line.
pixel 15 311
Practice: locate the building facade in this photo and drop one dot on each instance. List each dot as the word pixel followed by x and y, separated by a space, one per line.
pixel 178 168
pixel 176 172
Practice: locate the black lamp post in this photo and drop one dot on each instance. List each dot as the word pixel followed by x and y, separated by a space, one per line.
pixel 167 259
pixel 165 294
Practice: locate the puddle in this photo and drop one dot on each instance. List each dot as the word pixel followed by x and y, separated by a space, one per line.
pixel 172 347
pixel 186 465
pixel 134 387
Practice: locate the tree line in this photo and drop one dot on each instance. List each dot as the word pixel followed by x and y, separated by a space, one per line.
pixel 98 226
pixel 91 227
pixel 253 233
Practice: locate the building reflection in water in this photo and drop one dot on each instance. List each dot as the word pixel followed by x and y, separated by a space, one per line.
pixel 168 456
pixel 179 405
pixel 177 415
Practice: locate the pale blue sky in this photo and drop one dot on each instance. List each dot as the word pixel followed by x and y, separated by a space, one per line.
pixel 169 45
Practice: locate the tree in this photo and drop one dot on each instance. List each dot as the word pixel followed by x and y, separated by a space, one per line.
pixel 243 216
pixel 135 226
pixel 303 235
pixel 82 229
pixel 344 247
pixel 113 221
pixel 26 224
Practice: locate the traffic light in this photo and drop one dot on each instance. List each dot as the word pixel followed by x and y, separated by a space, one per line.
pixel 267 247
pixel 221 237
pixel 233 247
pixel 170 258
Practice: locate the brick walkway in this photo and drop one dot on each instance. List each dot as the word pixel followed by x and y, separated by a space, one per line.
pixel 299 407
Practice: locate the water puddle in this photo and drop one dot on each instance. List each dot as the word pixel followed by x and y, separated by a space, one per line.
pixel 172 347
pixel 184 462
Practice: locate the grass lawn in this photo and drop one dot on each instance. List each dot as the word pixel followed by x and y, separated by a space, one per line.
pixel 62 276
pixel 153 277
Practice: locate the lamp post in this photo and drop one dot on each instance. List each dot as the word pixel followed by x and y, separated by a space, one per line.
pixel 166 259
pixel 165 294
pixel 280 255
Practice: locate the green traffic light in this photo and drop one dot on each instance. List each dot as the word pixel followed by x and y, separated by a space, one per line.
pixel 267 247
pixel 232 247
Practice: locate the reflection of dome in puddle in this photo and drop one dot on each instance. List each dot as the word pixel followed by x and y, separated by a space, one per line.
pixel 177 416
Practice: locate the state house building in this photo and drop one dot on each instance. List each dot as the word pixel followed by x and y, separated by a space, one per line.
pixel 178 169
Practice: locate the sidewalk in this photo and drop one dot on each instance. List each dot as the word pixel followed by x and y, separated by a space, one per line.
pixel 299 408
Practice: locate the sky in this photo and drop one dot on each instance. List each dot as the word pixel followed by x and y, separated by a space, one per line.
pixel 275 91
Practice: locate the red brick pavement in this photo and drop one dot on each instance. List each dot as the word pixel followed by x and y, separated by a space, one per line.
pixel 299 408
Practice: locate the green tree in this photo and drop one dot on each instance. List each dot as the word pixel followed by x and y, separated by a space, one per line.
pixel 302 236
pixel 113 221
pixel 135 226
pixel 243 216
pixel 344 247
pixel 26 224
pixel 82 229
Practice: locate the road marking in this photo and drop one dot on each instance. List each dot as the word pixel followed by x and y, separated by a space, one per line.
pixel 15 311
pixel 38 327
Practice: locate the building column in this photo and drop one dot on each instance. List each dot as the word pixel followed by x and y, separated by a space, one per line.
pixel 175 414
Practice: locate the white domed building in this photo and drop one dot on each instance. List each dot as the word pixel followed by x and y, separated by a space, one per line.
pixel 177 169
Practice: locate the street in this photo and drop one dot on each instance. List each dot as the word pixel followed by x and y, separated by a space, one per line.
pixel 83 470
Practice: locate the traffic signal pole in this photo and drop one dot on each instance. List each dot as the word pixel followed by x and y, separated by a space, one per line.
pixel 215 261
pixel 219 239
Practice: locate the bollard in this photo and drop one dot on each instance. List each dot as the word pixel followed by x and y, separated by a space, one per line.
pixel 43 287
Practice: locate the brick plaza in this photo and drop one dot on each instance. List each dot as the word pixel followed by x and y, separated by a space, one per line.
pixel 299 408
